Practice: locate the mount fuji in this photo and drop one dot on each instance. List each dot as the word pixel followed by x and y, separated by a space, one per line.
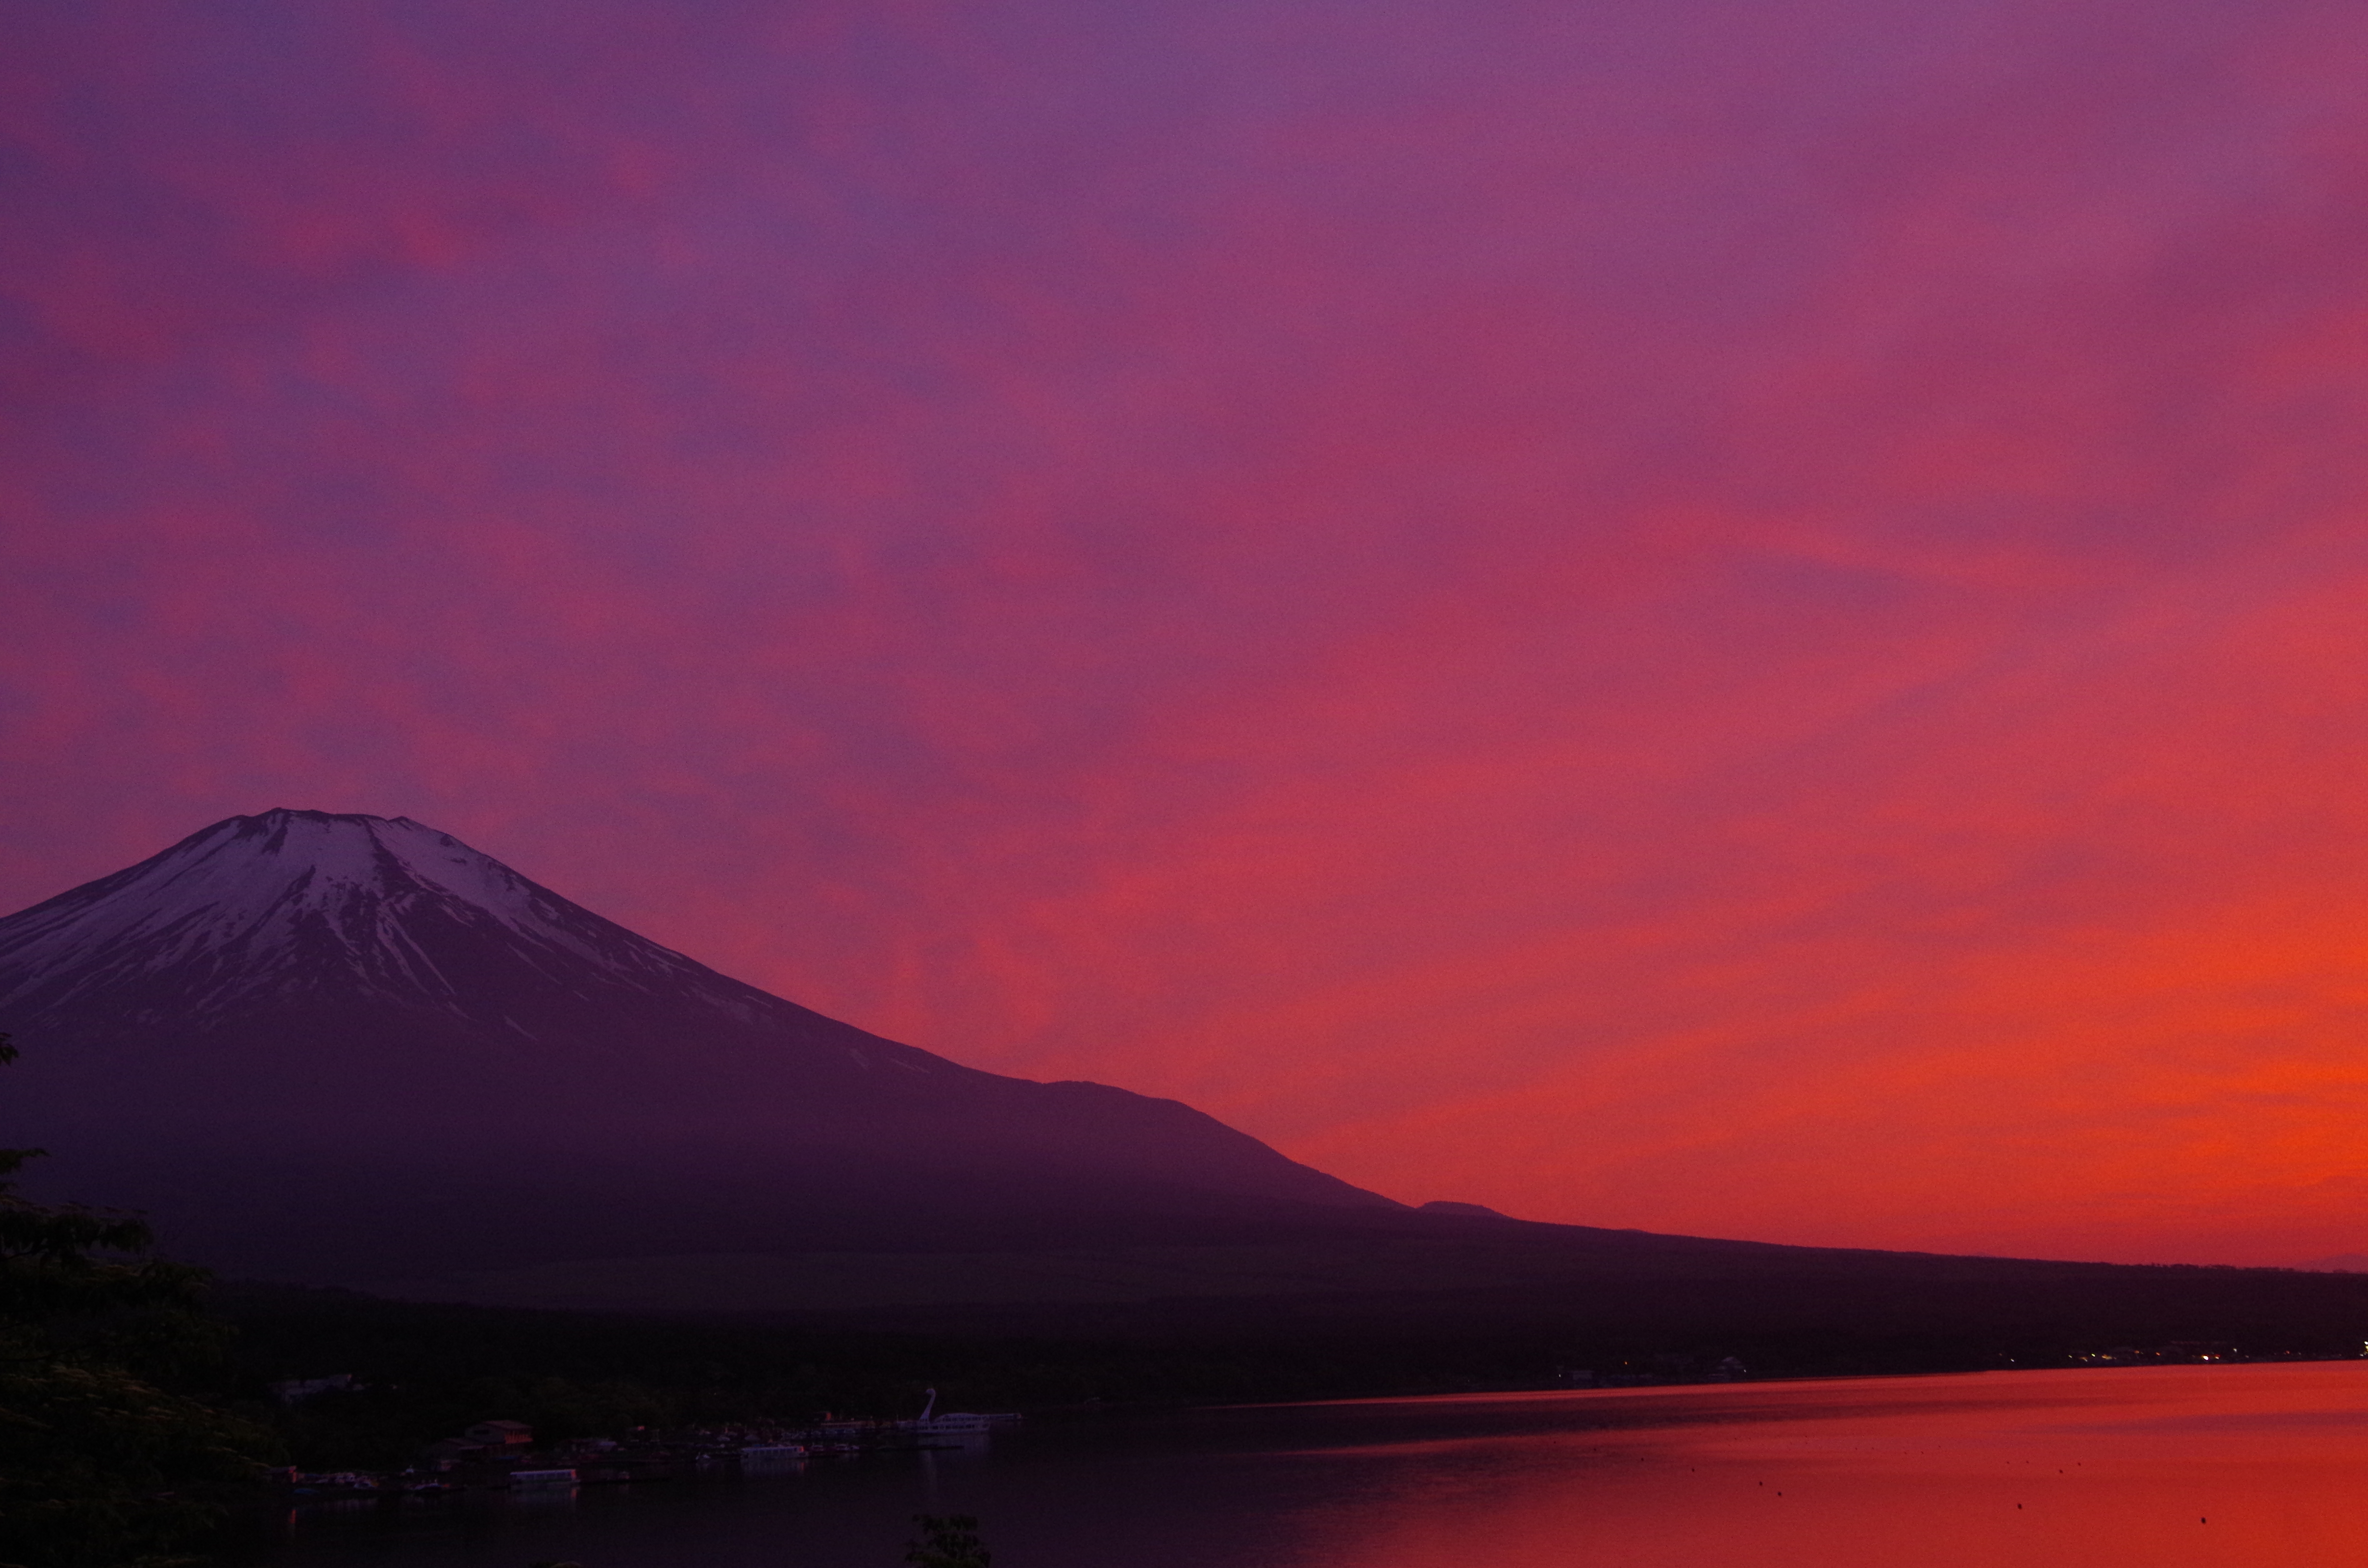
pixel 327 1049
pixel 341 1048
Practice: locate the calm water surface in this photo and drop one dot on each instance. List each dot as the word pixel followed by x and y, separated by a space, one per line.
pixel 2246 1465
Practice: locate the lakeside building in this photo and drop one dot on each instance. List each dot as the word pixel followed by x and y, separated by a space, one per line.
pixel 501 1435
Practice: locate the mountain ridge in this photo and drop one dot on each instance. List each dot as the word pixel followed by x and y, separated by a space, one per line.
pixel 341 1050
pixel 300 1016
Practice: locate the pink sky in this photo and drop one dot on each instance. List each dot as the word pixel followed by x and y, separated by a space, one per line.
pixel 1749 619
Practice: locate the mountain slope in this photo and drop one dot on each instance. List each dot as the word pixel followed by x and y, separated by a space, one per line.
pixel 333 1047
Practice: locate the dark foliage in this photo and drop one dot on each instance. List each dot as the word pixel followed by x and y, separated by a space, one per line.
pixel 947 1540
pixel 105 1459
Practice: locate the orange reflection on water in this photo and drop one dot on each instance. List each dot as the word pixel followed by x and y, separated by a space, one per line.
pixel 2246 1465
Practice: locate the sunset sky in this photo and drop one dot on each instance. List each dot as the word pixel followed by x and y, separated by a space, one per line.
pixel 1740 617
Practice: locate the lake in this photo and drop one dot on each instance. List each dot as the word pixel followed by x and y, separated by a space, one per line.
pixel 2225 1465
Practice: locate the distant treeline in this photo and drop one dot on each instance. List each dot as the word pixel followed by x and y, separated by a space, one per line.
pixel 430 1371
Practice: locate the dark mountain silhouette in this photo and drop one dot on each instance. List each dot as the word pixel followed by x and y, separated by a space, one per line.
pixel 339 1048
pixel 350 1051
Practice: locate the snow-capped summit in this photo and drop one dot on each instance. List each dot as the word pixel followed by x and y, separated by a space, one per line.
pixel 245 896
pixel 288 904
pixel 318 1042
